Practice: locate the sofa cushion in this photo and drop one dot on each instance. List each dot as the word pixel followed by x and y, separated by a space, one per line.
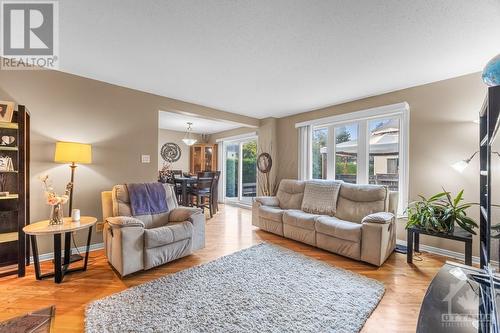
pixel 335 227
pixel 320 197
pixel 290 193
pixel 300 219
pixel 357 201
pixel 168 234
pixel 271 213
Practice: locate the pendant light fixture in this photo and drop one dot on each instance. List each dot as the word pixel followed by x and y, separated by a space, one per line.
pixel 188 138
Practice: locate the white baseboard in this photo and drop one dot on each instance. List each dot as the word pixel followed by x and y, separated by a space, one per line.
pixel 445 253
pixel 81 249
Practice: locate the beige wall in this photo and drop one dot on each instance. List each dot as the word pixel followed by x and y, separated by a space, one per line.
pixel 165 136
pixel 441 132
pixel 120 123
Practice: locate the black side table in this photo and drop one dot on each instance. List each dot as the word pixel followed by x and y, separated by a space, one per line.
pixel 459 234
pixel 61 267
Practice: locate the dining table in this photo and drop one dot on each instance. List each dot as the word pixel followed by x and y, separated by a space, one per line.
pixel 185 183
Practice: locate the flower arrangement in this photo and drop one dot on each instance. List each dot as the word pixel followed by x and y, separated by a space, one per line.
pixel 165 174
pixel 54 200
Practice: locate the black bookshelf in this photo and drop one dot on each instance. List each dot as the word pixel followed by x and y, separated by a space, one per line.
pixel 488 130
pixel 14 208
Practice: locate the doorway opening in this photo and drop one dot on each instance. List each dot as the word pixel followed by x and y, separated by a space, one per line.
pixel 240 170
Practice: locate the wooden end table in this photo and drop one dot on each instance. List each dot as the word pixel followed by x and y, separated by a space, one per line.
pixel 43 228
pixel 459 234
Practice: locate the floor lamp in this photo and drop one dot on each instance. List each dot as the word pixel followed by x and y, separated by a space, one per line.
pixel 72 153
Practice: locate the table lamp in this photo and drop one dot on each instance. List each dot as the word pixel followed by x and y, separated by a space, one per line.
pixel 73 153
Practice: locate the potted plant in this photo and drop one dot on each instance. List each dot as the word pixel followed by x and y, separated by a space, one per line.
pixel 440 212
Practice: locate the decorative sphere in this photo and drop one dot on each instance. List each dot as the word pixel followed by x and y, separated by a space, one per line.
pixel 491 73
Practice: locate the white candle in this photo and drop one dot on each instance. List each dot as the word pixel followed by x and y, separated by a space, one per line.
pixel 75 215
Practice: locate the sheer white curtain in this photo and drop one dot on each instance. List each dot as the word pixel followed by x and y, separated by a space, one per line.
pixel 305 152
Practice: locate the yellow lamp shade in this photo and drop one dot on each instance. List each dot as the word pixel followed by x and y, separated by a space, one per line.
pixel 72 152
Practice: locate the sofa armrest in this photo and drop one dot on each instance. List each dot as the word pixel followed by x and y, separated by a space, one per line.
pixel 182 214
pixel 378 240
pixel 197 218
pixel 124 243
pixel 381 217
pixel 124 221
pixel 268 201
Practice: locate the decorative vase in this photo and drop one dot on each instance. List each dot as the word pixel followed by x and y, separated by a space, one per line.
pixel 56 214
pixel 491 72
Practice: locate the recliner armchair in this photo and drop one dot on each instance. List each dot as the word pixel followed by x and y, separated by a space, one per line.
pixel 134 243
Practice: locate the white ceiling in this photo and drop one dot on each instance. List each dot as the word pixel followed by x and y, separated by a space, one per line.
pixel 276 57
pixel 178 122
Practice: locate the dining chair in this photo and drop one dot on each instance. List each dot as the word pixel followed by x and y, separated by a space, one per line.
pixel 202 192
pixel 177 173
pixel 178 188
pixel 173 173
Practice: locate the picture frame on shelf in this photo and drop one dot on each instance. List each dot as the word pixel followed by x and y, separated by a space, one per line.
pixel 6 111
pixel 6 163
pixel 7 140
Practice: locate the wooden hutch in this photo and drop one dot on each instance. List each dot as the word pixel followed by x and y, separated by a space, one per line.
pixel 203 157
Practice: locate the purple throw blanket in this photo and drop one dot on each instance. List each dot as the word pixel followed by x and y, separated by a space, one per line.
pixel 147 198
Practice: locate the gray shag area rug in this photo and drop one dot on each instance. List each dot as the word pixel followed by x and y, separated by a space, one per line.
pixel 264 288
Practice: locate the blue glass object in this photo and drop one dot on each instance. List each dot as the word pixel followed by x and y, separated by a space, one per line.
pixel 491 73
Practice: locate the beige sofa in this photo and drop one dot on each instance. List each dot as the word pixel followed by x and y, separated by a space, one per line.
pixel 134 243
pixel 349 229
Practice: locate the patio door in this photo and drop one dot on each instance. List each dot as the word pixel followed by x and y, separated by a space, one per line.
pixel 240 170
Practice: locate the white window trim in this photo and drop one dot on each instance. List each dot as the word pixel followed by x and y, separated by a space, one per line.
pixel 399 110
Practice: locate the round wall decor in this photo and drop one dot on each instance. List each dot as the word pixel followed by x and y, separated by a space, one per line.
pixel 264 162
pixel 170 152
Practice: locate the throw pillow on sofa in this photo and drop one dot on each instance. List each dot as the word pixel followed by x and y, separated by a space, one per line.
pixel 320 197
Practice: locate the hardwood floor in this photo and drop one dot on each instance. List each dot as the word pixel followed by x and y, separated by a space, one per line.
pixel 227 232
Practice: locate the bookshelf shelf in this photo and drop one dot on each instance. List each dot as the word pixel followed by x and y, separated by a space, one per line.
pixel 8 237
pixel 9 125
pixel 7 148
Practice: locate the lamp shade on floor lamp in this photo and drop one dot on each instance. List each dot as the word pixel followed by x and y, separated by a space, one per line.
pixel 73 153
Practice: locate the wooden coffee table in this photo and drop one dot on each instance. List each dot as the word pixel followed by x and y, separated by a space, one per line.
pixel 43 228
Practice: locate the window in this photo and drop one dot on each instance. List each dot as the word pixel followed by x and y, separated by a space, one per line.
pixel 346 153
pixel 365 147
pixel 384 152
pixel 319 153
